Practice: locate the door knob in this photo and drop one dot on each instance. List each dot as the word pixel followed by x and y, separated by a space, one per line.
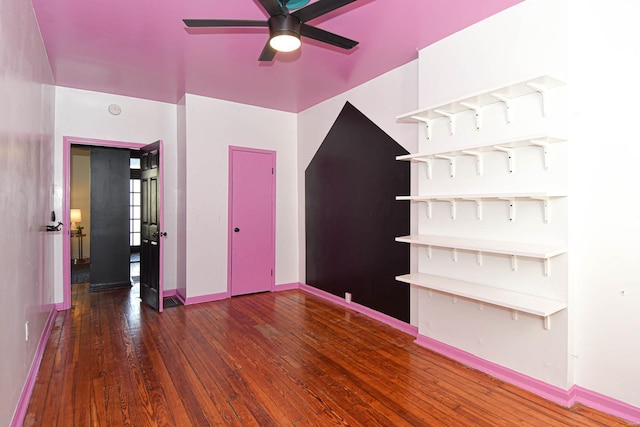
pixel 236 229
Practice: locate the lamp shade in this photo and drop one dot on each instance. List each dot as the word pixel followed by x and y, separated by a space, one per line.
pixel 285 43
pixel 75 215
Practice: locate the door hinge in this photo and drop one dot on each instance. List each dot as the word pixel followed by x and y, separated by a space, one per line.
pixel 272 172
pixel 272 272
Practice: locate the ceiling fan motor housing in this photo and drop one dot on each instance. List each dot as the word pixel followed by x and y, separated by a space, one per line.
pixel 284 24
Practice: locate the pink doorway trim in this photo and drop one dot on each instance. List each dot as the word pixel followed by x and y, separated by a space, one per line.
pixel 67 141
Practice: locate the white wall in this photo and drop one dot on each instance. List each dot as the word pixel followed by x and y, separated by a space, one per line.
pixel 604 203
pixel 593 343
pixel 26 199
pixel 84 114
pixel 381 100
pixel 211 127
pixel 506 48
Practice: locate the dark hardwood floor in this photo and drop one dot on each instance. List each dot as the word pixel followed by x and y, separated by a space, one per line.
pixel 271 359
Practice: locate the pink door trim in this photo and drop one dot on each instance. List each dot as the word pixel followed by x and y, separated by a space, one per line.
pixel 67 141
pixel 233 149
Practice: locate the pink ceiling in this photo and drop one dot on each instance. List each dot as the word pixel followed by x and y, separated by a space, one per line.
pixel 141 48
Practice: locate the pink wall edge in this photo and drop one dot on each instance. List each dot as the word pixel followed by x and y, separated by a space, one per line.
pixel 27 389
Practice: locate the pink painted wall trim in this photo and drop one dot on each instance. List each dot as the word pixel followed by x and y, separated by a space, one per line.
pixel 203 298
pixel 286 286
pixel 25 396
pixel 67 141
pixel 233 148
pixel 605 404
pixel 376 315
pixel 575 394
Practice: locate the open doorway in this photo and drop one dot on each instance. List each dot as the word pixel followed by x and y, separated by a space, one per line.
pixel 81 214
pixel 149 277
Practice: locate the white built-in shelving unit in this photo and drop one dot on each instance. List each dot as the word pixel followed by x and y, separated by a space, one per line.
pixel 526 301
pixel 476 102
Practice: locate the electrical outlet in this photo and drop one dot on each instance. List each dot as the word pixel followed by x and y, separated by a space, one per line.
pixel 26 330
pixel 347 297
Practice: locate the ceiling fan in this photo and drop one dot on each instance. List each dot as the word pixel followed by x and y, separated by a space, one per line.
pixel 285 28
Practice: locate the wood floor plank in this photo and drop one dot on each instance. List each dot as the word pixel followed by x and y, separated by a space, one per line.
pixel 271 359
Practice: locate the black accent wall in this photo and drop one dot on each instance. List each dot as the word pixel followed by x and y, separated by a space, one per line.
pixel 352 216
pixel 109 218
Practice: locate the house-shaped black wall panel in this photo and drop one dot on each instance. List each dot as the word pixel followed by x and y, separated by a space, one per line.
pixel 352 216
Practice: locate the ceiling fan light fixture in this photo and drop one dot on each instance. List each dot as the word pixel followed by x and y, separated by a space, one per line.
pixel 284 31
pixel 285 42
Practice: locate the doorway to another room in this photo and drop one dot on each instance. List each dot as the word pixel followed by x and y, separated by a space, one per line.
pixel 80 215
pixel 105 247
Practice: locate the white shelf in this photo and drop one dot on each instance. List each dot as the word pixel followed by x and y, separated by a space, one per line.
pixel 530 250
pixel 511 198
pixel 507 147
pixel 501 297
pixel 498 196
pixel 477 101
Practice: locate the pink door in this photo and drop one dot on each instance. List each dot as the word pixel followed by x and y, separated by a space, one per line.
pixel 251 220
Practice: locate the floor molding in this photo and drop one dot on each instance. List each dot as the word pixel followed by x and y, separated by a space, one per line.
pixel 25 396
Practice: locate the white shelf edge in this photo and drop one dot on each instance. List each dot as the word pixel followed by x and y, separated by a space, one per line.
pixel 530 250
pixel 481 99
pixel 525 303
pixel 498 196
pixel 484 147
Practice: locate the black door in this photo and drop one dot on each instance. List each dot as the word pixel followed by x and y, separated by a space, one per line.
pixel 151 247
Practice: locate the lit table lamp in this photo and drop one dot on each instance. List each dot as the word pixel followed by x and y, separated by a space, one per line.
pixel 75 215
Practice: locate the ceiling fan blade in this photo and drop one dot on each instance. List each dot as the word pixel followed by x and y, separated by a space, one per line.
pixel 319 8
pixel 272 7
pixel 326 37
pixel 224 23
pixel 268 53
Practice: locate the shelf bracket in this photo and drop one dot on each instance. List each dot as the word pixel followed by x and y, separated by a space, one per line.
pixel 507 103
pixel 509 152
pixel 454 254
pixel 545 207
pixel 429 252
pixel 452 202
pixel 514 262
pixel 547 322
pixel 479 257
pixel 514 314
pixel 547 267
pixel 512 208
pixel 478 156
pixel 541 90
pixel 476 109
pixel 427 124
pixel 478 207
pixel 452 164
pixel 429 210
pixel 545 151
pixel 452 121
pixel 428 164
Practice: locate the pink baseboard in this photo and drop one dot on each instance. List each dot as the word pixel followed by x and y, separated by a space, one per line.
pixel 286 286
pixel 202 298
pixel 605 404
pixel 391 321
pixel 575 394
pixel 27 389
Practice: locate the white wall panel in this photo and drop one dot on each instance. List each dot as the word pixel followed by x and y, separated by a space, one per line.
pixel 211 127
pixel 506 48
pixel 84 114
